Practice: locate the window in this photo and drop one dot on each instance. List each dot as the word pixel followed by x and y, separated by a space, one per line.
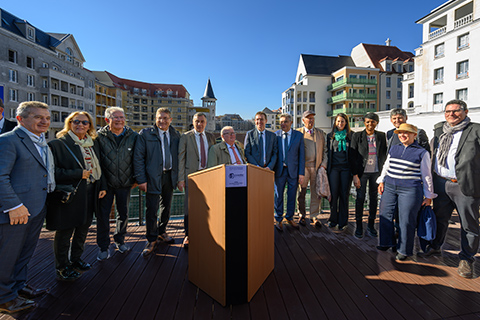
pixel 30 63
pixel 69 53
pixel 353 76
pixel 45 99
pixel 462 94
pixel 387 107
pixel 438 98
pixel 179 117
pixel 45 83
pixel 339 78
pixel 462 41
pixel 400 68
pixel 438 76
pixel 30 33
pixel 410 68
pixel 388 66
pixel 462 69
pixel 373 91
pixel 30 80
pixel 399 106
pixel 12 56
pixel 388 82
pixel 13 76
pixel 399 95
pixel 399 82
pixel 388 94
pixel 179 110
pixel 44 65
pixel 13 95
pixel 440 50
pixel 31 96
pixel 362 76
pixel 373 77
pixel 410 91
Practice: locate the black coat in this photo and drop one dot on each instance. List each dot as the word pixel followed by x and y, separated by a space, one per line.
pixel 68 172
pixel 360 150
pixel 350 156
pixel 8 126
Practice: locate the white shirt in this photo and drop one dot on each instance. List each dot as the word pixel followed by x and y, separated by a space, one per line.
pixel 205 143
pixel 161 133
pixel 2 123
pixel 232 155
pixel 449 172
pixel 289 137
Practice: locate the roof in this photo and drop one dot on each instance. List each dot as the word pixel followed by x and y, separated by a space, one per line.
pixel 378 53
pixel 126 84
pixel 325 65
pixel 436 10
pixel 209 91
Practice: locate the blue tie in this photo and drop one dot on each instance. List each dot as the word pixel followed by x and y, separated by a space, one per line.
pixel 285 144
pixel 260 141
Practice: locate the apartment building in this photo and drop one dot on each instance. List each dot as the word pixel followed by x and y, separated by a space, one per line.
pixel 40 66
pixel 273 119
pixel 108 95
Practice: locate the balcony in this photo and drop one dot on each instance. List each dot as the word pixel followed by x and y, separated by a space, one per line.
pixel 347 81
pixel 463 21
pixel 408 76
pixel 350 111
pixel 437 33
pixel 351 96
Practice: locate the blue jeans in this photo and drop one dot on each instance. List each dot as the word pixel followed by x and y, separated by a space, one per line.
pixel 409 201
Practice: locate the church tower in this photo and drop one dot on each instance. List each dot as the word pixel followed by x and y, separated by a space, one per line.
pixel 209 102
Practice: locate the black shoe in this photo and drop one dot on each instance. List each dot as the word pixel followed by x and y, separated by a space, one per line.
pixel 385 248
pixel 359 233
pixel 429 252
pixel 67 274
pixel 81 265
pixel 28 292
pixel 372 232
pixel 330 224
pixel 401 257
pixel 317 223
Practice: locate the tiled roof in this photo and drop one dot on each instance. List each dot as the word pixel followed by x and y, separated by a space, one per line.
pixel 378 53
pixel 325 65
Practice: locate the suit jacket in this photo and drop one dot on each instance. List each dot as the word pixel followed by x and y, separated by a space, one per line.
pixel 148 158
pixel 188 157
pixel 295 155
pixel 23 175
pixel 218 154
pixel 467 158
pixel 252 149
pixel 350 154
pixel 321 147
pixel 359 148
pixel 61 216
pixel 422 139
pixel 8 125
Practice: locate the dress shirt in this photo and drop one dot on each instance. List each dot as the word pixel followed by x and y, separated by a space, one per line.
pixel 233 160
pixel 2 123
pixel 289 137
pixel 264 153
pixel 205 143
pixel 449 172
pixel 161 133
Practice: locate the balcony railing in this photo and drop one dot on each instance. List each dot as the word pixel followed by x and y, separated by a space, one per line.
pixel 463 21
pixel 350 111
pixel 346 81
pixel 437 33
pixel 352 96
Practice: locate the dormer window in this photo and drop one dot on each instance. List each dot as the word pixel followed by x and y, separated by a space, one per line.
pixel 388 66
pixel 69 53
pixel 31 33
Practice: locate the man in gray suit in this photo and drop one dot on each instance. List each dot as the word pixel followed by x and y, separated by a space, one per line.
pixel 260 144
pixel 26 175
pixel 155 166
pixel 456 163
pixel 5 124
pixel 229 151
pixel 192 157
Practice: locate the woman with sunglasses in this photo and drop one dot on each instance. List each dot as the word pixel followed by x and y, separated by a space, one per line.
pixel 76 164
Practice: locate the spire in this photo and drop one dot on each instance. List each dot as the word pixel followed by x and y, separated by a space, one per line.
pixel 209 91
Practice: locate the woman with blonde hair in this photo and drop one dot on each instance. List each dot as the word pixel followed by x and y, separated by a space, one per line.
pixel 76 158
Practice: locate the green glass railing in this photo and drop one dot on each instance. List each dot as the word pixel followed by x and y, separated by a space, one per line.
pixel 347 81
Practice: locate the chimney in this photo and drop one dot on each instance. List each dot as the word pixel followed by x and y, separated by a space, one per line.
pixel 387 43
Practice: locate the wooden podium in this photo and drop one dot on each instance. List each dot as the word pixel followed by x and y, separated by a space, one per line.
pixel 231 250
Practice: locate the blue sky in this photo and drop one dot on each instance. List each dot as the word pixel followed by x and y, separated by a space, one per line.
pixel 249 49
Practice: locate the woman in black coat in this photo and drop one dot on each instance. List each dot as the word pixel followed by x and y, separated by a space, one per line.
pixel 76 164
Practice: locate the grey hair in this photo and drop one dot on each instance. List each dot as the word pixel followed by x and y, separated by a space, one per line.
pixel 24 109
pixel 461 103
pixel 110 110
pixel 226 128
pixel 398 111
pixel 286 115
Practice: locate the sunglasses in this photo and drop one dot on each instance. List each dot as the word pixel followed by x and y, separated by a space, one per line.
pixel 77 122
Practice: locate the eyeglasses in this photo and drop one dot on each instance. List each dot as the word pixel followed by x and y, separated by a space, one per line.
pixel 227 133
pixel 118 118
pixel 453 111
pixel 77 122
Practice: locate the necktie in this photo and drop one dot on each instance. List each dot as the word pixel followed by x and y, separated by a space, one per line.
pixel 260 141
pixel 285 148
pixel 167 152
pixel 203 154
pixel 237 159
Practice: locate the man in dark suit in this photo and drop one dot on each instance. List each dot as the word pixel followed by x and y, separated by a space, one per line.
pixel 155 165
pixel 369 148
pixel 290 169
pixel 192 157
pixel 397 117
pixel 229 151
pixel 456 164
pixel 26 175
pixel 5 124
pixel 260 144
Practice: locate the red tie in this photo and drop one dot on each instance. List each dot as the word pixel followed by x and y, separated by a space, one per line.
pixel 237 159
pixel 203 154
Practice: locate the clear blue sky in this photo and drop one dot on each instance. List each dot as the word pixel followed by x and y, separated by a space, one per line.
pixel 249 49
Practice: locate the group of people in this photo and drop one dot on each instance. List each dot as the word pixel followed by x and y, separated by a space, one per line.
pixel 103 166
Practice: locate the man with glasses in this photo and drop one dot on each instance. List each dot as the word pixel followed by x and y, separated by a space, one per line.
pixel 456 164
pixel 117 144
pixel 229 151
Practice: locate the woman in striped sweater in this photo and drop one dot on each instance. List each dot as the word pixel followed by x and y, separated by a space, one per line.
pixel 406 182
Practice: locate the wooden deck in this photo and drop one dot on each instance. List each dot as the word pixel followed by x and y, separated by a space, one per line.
pixel 319 274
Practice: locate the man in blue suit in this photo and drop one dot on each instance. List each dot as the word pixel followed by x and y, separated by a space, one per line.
pixel 290 169
pixel 261 145
pixel 26 175
pixel 5 124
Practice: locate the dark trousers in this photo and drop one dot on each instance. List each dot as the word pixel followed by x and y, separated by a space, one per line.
pixel 451 197
pixel 122 200
pixel 409 201
pixel 292 185
pixel 17 244
pixel 371 178
pixel 340 180
pixel 73 239
pixel 161 201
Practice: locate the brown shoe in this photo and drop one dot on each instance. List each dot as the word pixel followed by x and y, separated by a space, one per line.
pixel 279 225
pixel 185 242
pixel 149 249
pixel 28 292
pixel 166 238
pixel 16 305
pixel 465 269
pixel 293 223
